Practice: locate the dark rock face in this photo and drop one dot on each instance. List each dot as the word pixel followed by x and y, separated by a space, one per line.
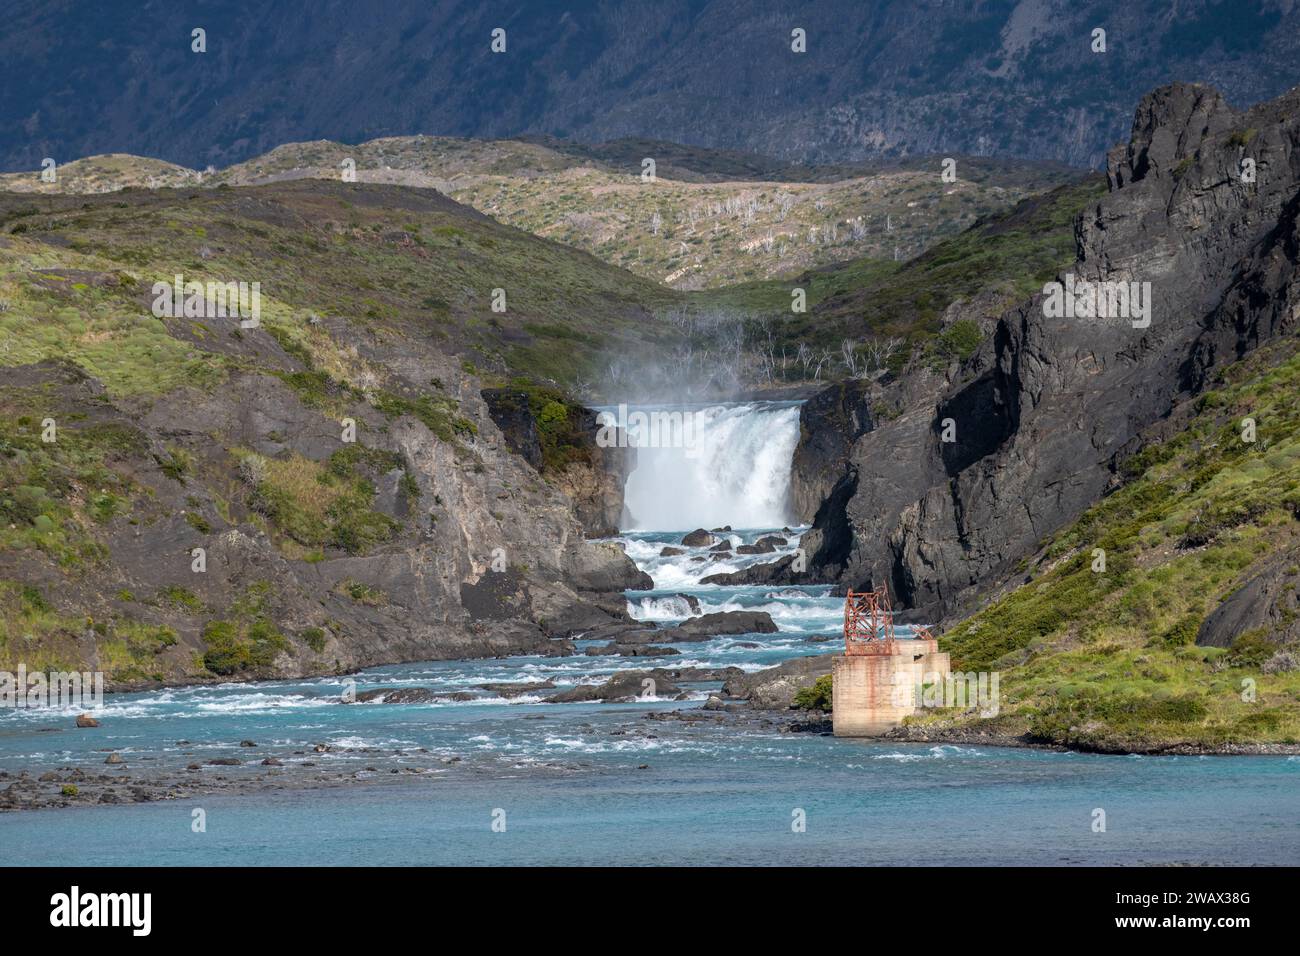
pixel 595 484
pixel 1268 600
pixel 596 487
pixel 1049 405
pixel 829 424
pixel 509 410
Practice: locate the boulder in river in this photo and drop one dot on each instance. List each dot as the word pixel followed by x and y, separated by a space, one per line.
pixel 698 538
pixel 85 720
pixel 764 545
pixel 721 622
pixel 774 688
pixel 631 632
pixel 518 689
pixel 632 650
pixel 398 695
pixel 691 601
pixel 780 571
pixel 623 685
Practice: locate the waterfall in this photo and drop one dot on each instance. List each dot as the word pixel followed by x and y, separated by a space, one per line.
pixel 720 465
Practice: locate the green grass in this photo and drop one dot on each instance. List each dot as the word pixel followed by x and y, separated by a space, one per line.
pixel 1108 659
pixel 1010 255
pixel 53 495
pixel 400 263
pixel 323 504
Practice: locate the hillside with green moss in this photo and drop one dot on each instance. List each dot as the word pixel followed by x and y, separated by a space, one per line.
pixel 1110 658
pixel 189 496
pixel 75 272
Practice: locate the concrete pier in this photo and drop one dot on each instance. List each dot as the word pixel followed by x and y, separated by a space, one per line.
pixel 874 691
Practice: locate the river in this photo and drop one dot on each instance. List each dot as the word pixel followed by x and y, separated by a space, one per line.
pixel 521 781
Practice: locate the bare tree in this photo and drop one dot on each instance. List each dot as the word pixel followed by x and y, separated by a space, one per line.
pixel 804 357
pixel 880 350
pixel 822 359
pixel 849 354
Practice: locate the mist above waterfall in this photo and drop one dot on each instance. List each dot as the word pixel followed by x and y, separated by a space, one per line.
pixel 732 468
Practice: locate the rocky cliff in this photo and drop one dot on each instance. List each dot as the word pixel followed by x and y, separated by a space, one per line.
pixel 1202 206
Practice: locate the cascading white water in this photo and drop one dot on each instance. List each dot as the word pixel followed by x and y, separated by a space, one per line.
pixel 726 465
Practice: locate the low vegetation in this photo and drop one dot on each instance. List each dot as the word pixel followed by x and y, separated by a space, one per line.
pixel 322 503
pixel 247 639
pixel 1107 658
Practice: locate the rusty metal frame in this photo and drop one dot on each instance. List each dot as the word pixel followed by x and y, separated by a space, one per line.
pixel 868 622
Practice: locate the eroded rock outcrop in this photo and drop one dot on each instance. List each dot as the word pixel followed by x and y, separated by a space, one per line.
pixel 475 555
pixel 590 474
pixel 1202 206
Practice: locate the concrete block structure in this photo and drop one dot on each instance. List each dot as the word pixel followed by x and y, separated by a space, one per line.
pixel 875 690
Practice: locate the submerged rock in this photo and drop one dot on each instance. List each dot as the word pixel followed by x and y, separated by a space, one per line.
pixel 624 685
pixel 518 690
pixel 632 650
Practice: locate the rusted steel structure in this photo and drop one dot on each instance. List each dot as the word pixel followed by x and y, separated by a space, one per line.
pixel 868 623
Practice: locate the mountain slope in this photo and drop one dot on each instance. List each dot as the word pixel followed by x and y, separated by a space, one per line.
pixel 695 225
pixel 129 439
pixel 1188 635
pixel 1045 409
pixel 889 78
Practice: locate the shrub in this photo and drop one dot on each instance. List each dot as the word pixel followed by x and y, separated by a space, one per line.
pixel 363 593
pixel 1281 662
pixel 314 637
pixel 960 340
pixel 1183 632
pixel 236 646
pixel 175 464
pixel 816 697
pixel 1251 649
